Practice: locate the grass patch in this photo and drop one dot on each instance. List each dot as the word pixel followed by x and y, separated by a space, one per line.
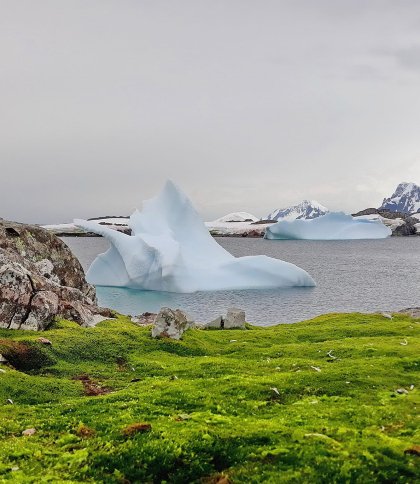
pixel 308 402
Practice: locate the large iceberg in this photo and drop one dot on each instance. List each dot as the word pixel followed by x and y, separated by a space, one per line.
pixel 332 226
pixel 171 250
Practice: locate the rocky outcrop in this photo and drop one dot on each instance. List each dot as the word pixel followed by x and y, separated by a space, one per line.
pixel 170 323
pixel 407 228
pixel 40 279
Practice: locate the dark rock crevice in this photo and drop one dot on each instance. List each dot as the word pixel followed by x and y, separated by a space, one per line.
pixel 28 311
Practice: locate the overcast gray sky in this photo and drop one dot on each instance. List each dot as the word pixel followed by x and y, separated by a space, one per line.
pixel 246 104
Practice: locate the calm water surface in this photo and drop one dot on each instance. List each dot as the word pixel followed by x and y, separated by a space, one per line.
pixel 357 275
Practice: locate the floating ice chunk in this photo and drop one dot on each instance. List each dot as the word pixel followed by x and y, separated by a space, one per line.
pixel 171 250
pixel 332 226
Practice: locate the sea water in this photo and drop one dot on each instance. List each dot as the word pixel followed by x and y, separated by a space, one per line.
pixel 356 275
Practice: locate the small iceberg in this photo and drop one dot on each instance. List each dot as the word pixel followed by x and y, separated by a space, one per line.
pixel 332 226
pixel 170 249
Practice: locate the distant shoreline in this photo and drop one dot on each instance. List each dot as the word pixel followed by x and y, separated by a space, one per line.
pixel 216 236
pixel 90 234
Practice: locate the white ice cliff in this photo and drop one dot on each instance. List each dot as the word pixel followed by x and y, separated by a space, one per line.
pixel 332 226
pixel 171 250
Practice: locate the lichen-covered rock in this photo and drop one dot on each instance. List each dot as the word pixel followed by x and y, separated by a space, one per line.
pixel 40 279
pixel 170 323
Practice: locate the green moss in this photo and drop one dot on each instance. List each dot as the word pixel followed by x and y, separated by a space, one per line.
pixel 250 404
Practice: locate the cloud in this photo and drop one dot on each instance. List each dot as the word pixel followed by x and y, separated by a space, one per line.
pixel 408 57
pixel 244 107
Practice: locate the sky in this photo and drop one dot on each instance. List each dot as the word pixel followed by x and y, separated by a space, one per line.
pixel 248 105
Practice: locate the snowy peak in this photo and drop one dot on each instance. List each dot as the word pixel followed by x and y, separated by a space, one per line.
pixel 238 217
pixel 308 209
pixel 406 199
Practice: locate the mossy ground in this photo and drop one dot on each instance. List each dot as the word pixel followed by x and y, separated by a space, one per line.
pixel 258 405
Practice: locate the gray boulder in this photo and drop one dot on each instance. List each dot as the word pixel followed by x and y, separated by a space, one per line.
pixel 215 324
pixel 235 318
pixel 41 279
pixel 170 323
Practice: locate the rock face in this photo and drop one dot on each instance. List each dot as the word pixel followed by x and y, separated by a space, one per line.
pixel 170 323
pixel 407 228
pixel 40 279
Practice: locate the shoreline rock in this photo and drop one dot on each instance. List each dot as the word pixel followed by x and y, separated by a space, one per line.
pixel 234 319
pixel 170 323
pixel 413 312
pixel 40 279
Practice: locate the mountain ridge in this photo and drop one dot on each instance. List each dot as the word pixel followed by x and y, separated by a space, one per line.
pixel 405 199
pixel 307 209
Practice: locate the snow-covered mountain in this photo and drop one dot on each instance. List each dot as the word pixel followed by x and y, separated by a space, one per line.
pixel 236 224
pixel 307 209
pixel 405 199
pixel 237 217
